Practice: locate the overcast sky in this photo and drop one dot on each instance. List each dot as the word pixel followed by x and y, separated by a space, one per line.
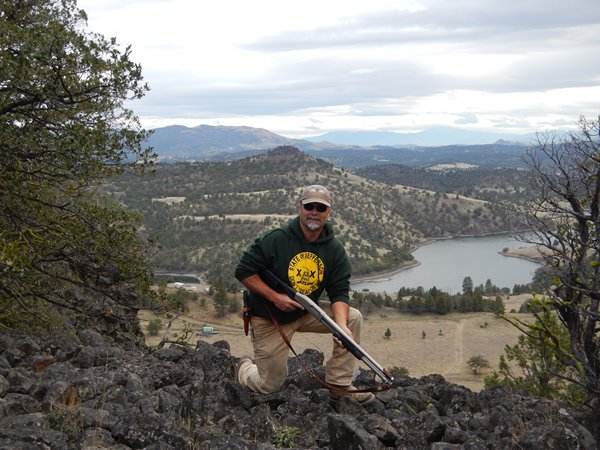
pixel 304 68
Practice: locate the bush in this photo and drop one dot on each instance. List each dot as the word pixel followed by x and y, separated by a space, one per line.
pixel 154 327
pixel 285 437
pixel 398 371
pixel 478 362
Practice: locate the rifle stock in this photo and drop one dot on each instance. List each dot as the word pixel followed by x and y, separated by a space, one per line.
pixel 318 313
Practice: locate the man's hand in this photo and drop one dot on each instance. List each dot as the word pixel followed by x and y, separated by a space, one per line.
pixel 284 303
pixel 340 315
pixel 345 328
pixel 255 284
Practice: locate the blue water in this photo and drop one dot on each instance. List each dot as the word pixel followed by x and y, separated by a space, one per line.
pixel 445 264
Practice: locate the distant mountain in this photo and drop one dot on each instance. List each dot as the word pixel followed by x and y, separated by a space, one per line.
pixel 433 137
pixel 179 142
pixel 490 156
pixel 223 143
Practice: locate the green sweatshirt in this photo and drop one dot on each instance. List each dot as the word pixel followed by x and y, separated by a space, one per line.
pixel 308 267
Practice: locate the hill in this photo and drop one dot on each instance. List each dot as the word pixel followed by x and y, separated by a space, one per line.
pixel 496 185
pixel 183 143
pixel 205 214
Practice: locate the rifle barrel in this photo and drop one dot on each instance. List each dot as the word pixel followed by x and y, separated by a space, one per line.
pixel 346 340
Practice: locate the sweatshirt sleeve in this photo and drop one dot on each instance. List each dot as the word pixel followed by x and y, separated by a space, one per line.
pixel 338 286
pixel 253 261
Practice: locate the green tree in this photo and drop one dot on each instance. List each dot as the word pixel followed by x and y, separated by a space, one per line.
pixel 467 285
pixel 387 334
pixel 154 326
pixel 234 305
pixel 478 362
pixel 64 130
pixel 220 299
pixel 498 307
pixel 540 367
pixel 564 220
pixel 488 289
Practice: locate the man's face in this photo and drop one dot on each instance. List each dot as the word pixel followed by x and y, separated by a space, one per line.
pixel 313 215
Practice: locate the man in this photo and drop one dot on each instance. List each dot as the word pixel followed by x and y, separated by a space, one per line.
pixel 305 254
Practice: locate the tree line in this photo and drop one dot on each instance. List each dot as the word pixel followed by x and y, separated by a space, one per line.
pixel 432 301
pixel 471 299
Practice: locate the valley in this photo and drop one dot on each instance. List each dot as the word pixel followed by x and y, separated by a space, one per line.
pixel 203 215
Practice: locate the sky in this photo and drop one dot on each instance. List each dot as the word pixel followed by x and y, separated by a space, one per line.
pixel 306 68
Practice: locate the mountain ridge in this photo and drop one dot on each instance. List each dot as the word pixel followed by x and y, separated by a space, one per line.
pixel 225 143
pixel 433 137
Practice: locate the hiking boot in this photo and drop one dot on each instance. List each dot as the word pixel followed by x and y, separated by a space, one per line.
pixel 245 359
pixel 364 398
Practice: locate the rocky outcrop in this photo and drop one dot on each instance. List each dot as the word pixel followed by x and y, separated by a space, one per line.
pixel 82 392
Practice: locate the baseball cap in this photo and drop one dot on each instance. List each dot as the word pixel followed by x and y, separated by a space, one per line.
pixel 316 193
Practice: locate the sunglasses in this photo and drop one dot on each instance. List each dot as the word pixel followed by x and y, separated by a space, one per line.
pixel 320 207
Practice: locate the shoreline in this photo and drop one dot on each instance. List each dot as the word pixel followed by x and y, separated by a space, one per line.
pixel 386 274
pixel 522 253
pixel 526 258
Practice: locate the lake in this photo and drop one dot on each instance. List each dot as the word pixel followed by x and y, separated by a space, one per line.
pixel 445 264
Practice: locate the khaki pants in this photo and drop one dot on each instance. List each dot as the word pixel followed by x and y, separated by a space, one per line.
pixel 270 367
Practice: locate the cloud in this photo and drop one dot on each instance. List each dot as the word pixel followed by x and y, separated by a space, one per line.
pixel 467 119
pixel 383 64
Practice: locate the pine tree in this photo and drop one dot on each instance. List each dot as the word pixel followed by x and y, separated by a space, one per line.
pixel 467 286
pixel 63 131
pixel 220 299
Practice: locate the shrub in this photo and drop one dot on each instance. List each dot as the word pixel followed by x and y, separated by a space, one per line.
pixel 285 437
pixel 154 326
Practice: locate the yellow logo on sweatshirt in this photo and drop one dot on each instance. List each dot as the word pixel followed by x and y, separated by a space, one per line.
pixel 305 272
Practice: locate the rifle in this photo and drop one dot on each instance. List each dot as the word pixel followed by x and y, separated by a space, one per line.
pixel 314 310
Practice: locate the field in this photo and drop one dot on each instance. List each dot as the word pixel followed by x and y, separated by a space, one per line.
pixel 448 344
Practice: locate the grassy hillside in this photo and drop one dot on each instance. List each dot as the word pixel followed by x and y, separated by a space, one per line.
pixel 497 185
pixel 203 215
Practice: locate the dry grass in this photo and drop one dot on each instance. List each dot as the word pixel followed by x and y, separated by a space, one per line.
pixel 532 253
pixel 449 342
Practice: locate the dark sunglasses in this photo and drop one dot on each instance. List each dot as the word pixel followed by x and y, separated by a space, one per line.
pixel 320 207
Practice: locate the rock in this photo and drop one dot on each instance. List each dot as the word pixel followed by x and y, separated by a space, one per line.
pixel 91 338
pixel 31 431
pixel 346 433
pixel 92 391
